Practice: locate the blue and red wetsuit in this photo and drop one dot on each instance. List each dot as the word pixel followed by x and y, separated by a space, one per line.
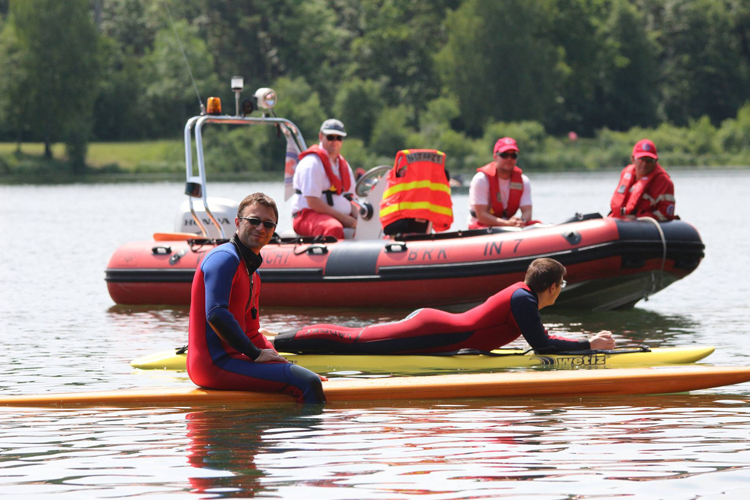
pixel 501 319
pixel 224 330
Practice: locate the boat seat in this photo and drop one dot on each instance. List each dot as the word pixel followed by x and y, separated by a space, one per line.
pixel 408 226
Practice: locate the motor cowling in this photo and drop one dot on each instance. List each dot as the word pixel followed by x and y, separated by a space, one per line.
pixel 224 211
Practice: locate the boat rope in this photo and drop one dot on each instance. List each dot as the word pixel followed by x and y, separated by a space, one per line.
pixel 663 256
pixel 184 56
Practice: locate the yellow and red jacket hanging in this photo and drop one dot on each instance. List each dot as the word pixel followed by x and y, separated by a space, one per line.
pixel 418 188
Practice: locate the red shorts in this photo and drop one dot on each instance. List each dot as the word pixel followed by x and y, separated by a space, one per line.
pixel 311 223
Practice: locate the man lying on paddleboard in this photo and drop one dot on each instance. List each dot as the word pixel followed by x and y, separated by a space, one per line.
pixel 500 320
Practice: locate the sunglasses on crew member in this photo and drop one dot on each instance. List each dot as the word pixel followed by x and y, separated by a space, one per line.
pixel 508 155
pixel 647 159
pixel 335 137
pixel 253 221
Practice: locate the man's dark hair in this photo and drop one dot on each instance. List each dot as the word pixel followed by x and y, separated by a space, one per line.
pixel 260 199
pixel 543 273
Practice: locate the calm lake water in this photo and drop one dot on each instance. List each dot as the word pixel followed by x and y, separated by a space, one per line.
pixel 61 332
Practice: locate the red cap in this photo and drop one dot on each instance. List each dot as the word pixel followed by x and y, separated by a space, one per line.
pixel 643 148
pixel 505 144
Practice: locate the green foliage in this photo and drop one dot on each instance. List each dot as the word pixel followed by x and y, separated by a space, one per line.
pixel 169 94
pixel 262 148
pixel 58 51
pixel 529 134
pixel 358 104
pixel 131 24
pixel 13 78
pixel 437 118
pixel 701 61
pixel 120 110
pixel 627 95
pixel 244 149
pixel 301 104
pixel 446 74
pixel 395 42
pixel 500 61
pixel 357 154
pixel 734 135
pixel 391 131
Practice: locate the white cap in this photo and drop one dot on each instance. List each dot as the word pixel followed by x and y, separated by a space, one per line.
pixel 333 126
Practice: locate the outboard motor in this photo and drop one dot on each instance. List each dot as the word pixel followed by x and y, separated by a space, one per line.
pixel 223 209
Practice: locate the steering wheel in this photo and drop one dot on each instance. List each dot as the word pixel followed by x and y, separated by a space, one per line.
pixel 368 181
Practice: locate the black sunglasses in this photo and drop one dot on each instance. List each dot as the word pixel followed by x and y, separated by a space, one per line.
pixel 335 137
pixel 254 221
pixel 508 155
pixel 647 159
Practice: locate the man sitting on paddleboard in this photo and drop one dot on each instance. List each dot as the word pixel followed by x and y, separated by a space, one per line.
pixel 500 320
pixel 227 349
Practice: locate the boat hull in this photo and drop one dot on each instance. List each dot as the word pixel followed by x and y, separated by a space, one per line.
pixel 611 264
pixel 573 383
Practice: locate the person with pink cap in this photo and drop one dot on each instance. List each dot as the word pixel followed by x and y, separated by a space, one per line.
pixel 499 189
pixel 645 189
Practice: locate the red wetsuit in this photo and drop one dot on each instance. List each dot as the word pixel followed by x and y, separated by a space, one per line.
pixel 224 338
pixel 504 317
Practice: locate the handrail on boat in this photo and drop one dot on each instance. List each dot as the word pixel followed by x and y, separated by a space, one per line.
pixel 195 125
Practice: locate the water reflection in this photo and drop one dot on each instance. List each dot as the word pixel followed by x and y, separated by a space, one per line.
pixel 466 446
pixel 228 442
pixel 630 326
pixel 545 448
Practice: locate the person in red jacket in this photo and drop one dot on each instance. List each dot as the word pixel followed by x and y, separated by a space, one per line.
pixel 323 186
pixel 507 315
pixel 499 190
pixel 645 189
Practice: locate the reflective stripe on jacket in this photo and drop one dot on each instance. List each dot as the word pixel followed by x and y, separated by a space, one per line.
pixel 418 188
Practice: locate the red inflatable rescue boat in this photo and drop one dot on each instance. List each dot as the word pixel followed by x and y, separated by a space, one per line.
pixel 611 263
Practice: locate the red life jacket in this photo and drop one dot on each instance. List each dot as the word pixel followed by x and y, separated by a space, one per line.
pixel 244 298
pixel 340 184
pixel 628 198
pixel 516 191
pixel 418 189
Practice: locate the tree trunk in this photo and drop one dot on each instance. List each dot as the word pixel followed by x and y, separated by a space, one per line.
pixel 47 145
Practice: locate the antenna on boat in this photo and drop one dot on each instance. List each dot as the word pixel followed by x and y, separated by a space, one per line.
pixel 182 49
pixel 237 84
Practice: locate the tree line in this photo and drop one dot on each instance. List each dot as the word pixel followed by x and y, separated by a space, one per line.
pixel 448 74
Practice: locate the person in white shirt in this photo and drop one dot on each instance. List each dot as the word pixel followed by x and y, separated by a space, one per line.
pixel 499 190
pixel 324 185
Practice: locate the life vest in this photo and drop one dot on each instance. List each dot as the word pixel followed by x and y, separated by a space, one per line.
pixel 418 189
pixel 340 184
pixel 514 197
pixel 205 344
pixel 632 196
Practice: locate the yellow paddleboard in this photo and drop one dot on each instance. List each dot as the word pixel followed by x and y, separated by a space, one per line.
pixel 577 383
pixel 498 359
